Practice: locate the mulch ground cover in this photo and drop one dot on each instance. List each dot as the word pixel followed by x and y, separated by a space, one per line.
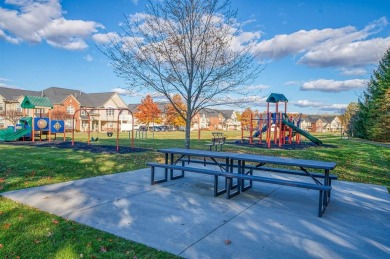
pixel 292 146
pixel 93 148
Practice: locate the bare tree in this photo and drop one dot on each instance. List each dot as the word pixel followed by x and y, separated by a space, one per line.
pixel 185 47
pixel 13 116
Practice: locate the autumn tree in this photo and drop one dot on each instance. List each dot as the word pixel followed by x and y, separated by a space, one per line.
pixel 348 118
pixel 245 117
pixel 187 47
pixel 173 117
pixel 373 117
pixel 148 111
pixel 60 114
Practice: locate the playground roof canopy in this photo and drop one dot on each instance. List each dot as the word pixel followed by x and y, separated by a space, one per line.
pixel 31 102
pixel 275 98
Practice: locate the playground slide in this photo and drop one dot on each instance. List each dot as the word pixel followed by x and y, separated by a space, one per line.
pixel 257 133
pixel 302 132
pixel 15 135
pixel 7 131
pixel 10 134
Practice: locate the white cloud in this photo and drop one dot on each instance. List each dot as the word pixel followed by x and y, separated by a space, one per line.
pixel 2 79
pixel 320 106
pixel 88 58
pixel 307 103
pixel 292 83
pixel 36 21
pixel 332 86
pixel 104 38
pixel 351 54
pixel 257 87
pixel 346 46
pixel 297 42
pixel 353 71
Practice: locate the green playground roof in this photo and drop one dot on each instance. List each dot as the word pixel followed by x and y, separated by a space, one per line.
pixel 31 102
pixel 275 98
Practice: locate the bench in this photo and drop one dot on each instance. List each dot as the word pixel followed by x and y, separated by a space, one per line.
pixel 218 140
pixel 269 169
pixel 241 177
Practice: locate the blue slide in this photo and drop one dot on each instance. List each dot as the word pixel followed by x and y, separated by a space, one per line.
pixel 264 129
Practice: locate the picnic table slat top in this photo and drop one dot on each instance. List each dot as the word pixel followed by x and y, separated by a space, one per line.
pixel 253 158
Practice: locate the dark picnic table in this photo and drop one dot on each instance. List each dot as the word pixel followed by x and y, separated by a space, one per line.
pixel 227 162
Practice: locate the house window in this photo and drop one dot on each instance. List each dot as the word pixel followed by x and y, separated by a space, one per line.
pixel 1 107
pixel 82 112
pixel 18 108
pixel 110 111
pixel 68 124
pixel 70 110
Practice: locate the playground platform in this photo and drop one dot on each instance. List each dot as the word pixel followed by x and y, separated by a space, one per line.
pixel 183 218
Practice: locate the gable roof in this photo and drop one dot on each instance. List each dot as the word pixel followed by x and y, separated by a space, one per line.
pixel 213 113
pixel 329 118
pixel 31 102
pixel 275 98
pixel 12 94
pixel 97 99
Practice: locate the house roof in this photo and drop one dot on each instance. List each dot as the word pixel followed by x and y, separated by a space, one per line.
pixel 329 118
pixel 58 95
pixel 11 94
pixel 97 99
pixel 275 98
pixel 133 107
pixel 31 102
pixel 215 113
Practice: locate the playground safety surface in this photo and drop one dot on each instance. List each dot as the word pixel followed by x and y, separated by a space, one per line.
pixel 292 146
pixel 93 148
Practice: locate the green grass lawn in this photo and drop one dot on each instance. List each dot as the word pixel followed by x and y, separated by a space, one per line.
pixel 27 232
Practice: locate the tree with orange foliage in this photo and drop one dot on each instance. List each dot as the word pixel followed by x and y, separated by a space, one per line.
pixel 60 114
pixel 148 111
pixel 173 115
pixel 246 117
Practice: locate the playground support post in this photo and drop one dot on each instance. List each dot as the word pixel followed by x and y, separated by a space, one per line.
pixel 269 127
pixel 261 128
pixel 251 130
pixel 281 130
pixel 276 122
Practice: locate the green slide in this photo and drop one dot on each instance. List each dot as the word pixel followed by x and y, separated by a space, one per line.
pixel 11 135
pixel 302 132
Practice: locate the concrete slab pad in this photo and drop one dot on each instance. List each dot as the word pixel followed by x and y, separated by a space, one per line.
pixel 183 217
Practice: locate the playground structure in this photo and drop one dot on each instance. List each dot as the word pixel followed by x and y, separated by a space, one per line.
pixel 110 132
pixel 277 126
pixel 30 127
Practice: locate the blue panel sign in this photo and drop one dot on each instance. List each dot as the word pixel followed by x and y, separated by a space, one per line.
pixel 41 124
pixel 57 126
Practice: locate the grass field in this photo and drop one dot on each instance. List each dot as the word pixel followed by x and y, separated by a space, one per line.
pixel 27 232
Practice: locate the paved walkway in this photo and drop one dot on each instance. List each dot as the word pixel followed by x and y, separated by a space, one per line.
pixel 183 217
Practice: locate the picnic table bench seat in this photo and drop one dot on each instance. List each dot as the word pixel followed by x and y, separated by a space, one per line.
pixel 268 169
pixel 229 189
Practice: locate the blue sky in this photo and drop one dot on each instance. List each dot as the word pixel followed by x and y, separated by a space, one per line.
pixel 319 54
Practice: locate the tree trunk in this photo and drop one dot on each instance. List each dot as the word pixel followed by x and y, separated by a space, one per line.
pixel 188 132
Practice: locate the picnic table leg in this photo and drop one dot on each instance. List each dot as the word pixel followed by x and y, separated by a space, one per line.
pixel 152 176
pixel 327 182
pixel 320 204
pixel 171 170
pixel 166 162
